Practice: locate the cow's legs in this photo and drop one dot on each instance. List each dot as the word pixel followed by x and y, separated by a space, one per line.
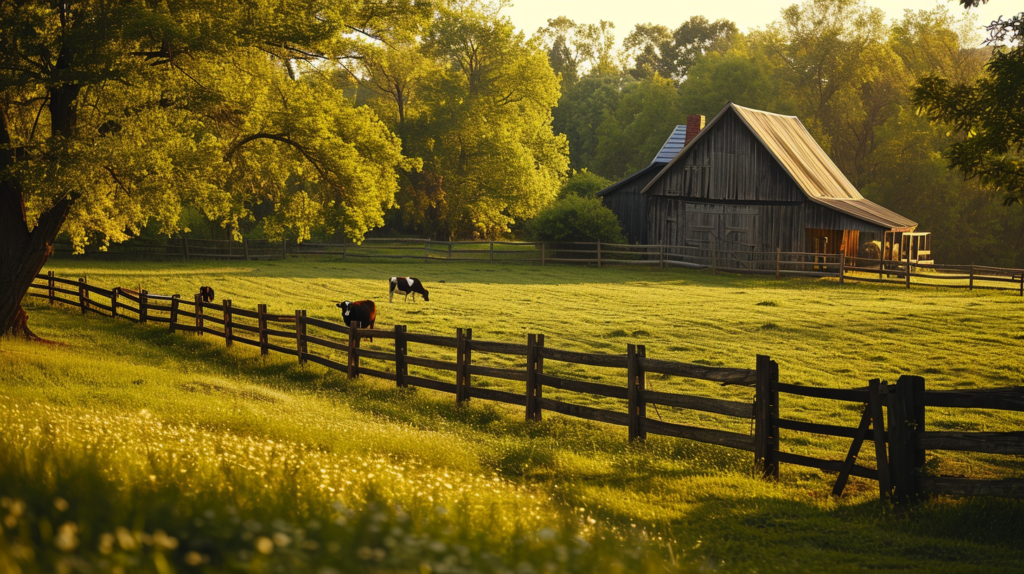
pixel 413 296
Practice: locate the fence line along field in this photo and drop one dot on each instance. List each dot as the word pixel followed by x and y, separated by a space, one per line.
pixel 695 503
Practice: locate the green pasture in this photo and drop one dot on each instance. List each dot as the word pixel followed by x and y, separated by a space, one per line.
pixel 128 448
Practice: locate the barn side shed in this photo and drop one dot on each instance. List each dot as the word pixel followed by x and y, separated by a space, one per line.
pixel 757 181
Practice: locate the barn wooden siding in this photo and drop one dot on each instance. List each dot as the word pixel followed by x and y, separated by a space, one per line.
pixel 728 192
pixel 630 205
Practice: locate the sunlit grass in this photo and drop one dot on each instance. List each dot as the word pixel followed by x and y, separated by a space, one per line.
pixel 263 441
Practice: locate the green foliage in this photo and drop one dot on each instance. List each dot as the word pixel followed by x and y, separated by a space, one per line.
pixel 476 109
pixel 633 131
pixel 985 113
pixel 576 50
pixel 656 51
pixel 579 114
pixel 576 218
pixel 583 184
pixel 137 112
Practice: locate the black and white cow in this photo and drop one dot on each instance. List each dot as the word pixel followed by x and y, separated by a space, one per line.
pixel 365 312
pixel 206 294
pixel 406 285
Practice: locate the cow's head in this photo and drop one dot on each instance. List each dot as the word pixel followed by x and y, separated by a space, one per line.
pixel 426 295
pixel 345 306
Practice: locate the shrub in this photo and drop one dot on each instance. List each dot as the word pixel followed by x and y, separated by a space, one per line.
pixel 577 219
pixel 583 184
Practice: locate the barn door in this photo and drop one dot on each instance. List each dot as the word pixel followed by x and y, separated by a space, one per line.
pixel 703 229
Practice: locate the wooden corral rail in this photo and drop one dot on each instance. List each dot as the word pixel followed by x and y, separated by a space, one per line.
pixel 740 259
pixel 298 335
pixel 899 451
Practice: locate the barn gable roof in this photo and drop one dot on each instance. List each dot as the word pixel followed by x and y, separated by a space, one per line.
pixel 814 172
pixel 669 150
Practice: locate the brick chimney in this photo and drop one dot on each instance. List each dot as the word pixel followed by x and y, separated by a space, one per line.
pixel 693 126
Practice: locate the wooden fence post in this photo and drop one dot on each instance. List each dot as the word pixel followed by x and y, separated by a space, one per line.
pixel 227 323
pixel 284 249
pixel 460 349
pixel 917 384
pixel 908 271
pixel 881 263
pixel 199 314
pixel 542 257
pixel 261 324
pixel 534 367
pixel 184 244
pixel 1022 283
pixel 49 287
pixel 492 252
pixel 113 301
pixel 599 253
pixel 877 393
pixel 467 361
pixel 778 262
pixel 636 384
pixel 842 267
pixel 175 301
pixel 401 349
pixel 300 335
pixel 245 248
pixel 143 306
pixel 903 453
pixel 353 350
pixel 83 298
pixel 766 414
pixel 970 286
pixel 463 359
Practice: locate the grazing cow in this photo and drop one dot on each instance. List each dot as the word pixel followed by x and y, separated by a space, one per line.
pixel 365 312
pixel 206 294
pixel 406 285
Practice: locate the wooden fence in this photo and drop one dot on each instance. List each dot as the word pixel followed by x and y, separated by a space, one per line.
pixel 899 452
pixel 777 263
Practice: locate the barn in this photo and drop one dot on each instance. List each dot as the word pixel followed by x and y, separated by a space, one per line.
pixel 755 181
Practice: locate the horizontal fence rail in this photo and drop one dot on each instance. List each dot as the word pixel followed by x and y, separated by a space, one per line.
pixel 892 417
pixel 741 259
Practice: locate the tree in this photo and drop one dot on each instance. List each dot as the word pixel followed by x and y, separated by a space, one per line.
pixel 479 118
pixel 583 184
pixel 579 114
pixel 577 218
pixel 633 131
pixel 985 113
pixel 575 50
pixel 655 50
pixel 112 115
pixel 735 76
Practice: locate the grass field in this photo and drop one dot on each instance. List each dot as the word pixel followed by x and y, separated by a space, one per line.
pixel 137 449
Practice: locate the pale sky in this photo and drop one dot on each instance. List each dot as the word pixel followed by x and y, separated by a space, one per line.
pixel 528 15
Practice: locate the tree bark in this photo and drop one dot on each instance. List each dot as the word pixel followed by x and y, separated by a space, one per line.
pixel 23 252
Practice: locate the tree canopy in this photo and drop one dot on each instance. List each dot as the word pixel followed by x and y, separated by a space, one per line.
pixel 985 112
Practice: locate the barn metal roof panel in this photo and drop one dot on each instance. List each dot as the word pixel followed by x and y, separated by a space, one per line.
pixel 801 156
pixel 673 145
pixel 869 211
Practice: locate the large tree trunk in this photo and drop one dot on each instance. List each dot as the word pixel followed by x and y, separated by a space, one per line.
pixel 22 252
